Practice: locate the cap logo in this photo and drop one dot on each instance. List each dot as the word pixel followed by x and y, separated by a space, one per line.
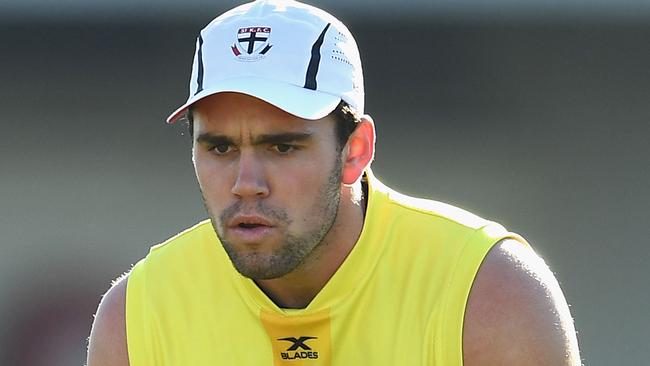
pixel 252 43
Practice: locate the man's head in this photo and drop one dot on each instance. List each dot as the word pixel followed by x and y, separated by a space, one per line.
pixel 276 95
pixel 272 182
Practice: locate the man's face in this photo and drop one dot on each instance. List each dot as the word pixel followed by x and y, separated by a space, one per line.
pixel 270 181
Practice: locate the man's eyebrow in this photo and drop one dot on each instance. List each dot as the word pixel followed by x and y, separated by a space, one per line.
pixel 271 138
pixel 207 138
pixel 281 138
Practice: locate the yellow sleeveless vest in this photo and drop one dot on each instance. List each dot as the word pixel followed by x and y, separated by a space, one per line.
pixel 398 299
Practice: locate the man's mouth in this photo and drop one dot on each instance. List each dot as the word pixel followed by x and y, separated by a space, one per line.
pixel 249 222
pixel 249 226
pixel 253 229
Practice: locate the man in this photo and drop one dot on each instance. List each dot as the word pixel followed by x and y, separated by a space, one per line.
pixel 307 258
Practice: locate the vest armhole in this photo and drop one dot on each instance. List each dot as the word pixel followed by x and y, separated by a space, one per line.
pixel 467 262
pixel 135 322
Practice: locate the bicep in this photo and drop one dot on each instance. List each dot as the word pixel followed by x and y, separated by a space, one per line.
pixel 516 313
pixel 107 344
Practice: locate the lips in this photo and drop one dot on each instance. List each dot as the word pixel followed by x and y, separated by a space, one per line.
pixel 252 230
pixel 249 222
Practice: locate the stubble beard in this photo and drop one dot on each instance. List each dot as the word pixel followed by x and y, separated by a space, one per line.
pixel 294 250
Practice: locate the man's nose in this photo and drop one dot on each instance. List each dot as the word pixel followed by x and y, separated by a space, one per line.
pixel 251 177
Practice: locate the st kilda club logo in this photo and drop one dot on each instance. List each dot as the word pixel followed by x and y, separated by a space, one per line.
pixel 298 349
pixel 252 43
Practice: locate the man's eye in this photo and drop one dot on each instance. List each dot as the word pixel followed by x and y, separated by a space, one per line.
pixel 221 149
pixel 283 148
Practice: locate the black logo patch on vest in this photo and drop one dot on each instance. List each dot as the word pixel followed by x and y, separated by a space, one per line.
pixel 298 349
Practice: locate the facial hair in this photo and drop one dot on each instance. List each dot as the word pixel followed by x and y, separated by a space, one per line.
pixel 294 249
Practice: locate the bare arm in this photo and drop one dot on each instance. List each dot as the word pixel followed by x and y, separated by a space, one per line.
pixel 517 314
pixel 107 345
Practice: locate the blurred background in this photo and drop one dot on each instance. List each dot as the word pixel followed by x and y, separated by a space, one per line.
pixel 534 114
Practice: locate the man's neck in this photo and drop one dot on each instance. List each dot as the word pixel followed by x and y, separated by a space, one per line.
pixel 297 289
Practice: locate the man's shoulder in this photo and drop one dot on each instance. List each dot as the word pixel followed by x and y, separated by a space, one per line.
pixel 193 254
pixel 463 237
pixel 186 246
pixel 429 209
pixel 516 313
pixel 437 209
pixel 185 239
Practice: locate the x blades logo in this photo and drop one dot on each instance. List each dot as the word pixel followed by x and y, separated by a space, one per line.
pixel 252 43
pixel 292 352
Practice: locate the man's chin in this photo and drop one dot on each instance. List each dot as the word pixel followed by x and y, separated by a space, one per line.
pixel 254 264
pixel 257 272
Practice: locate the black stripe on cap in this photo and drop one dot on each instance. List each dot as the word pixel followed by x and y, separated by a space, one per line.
pixel 312 69
pixel 199 56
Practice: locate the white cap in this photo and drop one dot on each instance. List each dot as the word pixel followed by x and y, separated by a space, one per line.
pixel 292 55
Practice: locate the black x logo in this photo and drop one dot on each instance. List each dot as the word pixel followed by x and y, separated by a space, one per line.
pixel 298 342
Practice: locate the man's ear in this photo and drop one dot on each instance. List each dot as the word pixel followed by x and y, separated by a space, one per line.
pixel 359 150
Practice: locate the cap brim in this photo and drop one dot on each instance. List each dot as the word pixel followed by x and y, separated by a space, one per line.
pixel 301 102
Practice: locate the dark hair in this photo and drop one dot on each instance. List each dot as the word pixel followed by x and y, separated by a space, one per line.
pixel 346 122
